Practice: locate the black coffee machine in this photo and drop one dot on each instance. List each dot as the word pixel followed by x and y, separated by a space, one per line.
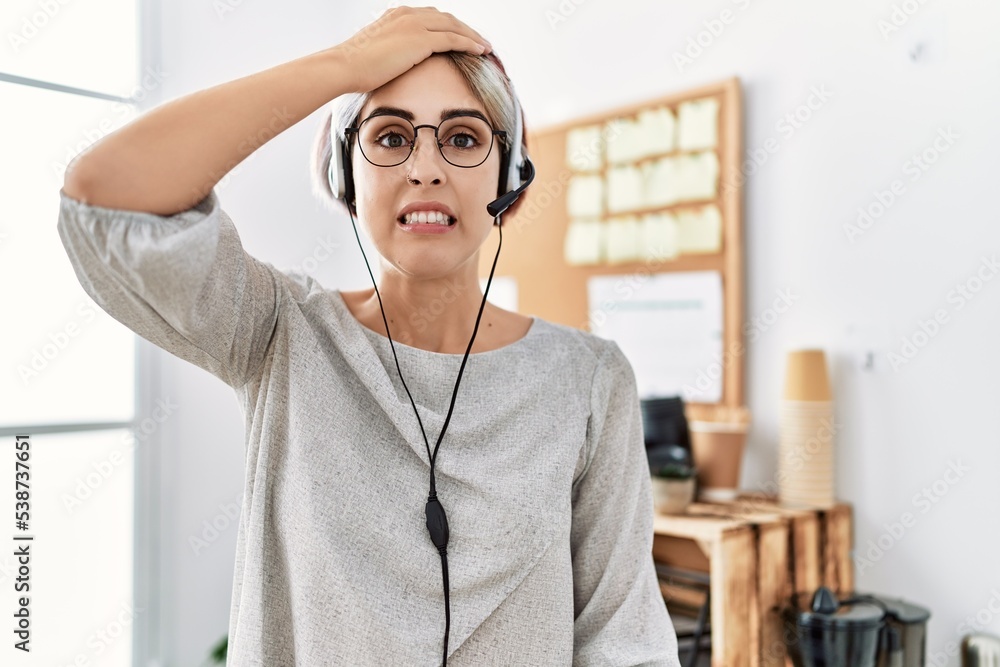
pixel 665 431
pixel 854 630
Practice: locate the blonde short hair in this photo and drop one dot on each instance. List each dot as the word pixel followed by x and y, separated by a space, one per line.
pixel 486 78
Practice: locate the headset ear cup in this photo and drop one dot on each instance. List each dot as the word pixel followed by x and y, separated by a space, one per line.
pixel 512 167
pixel 334 170
pixel 516 166
pixel 348 176
pixel 502 188
pixel 339 173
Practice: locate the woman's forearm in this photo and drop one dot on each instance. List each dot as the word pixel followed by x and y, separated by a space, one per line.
pixel 169 158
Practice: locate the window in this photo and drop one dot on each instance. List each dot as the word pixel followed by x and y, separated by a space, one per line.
pixel 69 74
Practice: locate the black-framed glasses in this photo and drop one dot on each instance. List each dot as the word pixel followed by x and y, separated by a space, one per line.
pixel 387 140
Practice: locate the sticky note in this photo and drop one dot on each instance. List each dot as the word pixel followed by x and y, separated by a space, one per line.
pixel 697 176
pixel 585 196
pixel 658 127
pixel 622 241
pixel 700 230
pixel 658 237
pixel 661 181
pixel 624 140
pixel 698 122
pixel 585 148
pixel 584 242
pixel 625 188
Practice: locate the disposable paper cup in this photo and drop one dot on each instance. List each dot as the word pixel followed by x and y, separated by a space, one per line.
pixel 718 456
pixel 806 378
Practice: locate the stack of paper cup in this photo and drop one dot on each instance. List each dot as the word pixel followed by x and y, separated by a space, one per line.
pixel 806 446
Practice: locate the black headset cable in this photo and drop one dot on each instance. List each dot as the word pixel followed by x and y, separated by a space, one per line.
pixel 437 522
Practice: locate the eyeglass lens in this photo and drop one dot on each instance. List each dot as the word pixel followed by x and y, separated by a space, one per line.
pixel 386 140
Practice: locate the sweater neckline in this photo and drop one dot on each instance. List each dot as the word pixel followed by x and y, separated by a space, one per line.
pixel 384 341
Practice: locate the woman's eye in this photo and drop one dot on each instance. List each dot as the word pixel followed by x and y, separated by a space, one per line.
pixel 395 140
pixel 462 140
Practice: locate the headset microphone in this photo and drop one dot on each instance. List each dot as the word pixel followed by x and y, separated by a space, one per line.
pixel 501 204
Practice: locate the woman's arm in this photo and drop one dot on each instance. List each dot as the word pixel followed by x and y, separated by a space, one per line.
pixel 146 233
pixel 620 616
pixel 171 157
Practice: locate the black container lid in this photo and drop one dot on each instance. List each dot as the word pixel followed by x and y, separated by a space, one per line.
pixel 823 610
pixel 906 613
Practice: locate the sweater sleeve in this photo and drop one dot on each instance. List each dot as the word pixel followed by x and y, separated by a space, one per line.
pixel 183 282
pixel 620 616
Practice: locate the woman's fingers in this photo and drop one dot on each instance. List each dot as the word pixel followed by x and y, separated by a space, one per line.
pixel 401 38
pixel 445 22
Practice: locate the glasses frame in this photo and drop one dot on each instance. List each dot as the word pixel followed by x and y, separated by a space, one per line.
pixel 356 129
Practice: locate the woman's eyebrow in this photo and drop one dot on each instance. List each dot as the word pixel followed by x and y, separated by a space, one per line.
pixel 448 113
pixel 408 115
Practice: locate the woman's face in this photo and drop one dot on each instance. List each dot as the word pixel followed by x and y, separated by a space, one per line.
pixel 427 90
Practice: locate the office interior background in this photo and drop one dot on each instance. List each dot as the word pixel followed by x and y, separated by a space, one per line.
pixel 846 95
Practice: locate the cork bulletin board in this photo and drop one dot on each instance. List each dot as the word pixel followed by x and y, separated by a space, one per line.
pixel 635 193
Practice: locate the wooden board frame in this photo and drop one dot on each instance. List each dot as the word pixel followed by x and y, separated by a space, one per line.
pixel 550 288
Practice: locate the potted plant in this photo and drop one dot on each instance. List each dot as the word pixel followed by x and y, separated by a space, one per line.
pixel 673 487
pixel 217 655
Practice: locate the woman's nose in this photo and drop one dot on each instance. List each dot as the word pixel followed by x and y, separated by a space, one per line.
pixel 427 162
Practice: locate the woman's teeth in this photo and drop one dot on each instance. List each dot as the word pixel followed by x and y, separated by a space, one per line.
pixel 427 217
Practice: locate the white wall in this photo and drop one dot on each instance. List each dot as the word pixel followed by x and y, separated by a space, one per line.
pixel 889 96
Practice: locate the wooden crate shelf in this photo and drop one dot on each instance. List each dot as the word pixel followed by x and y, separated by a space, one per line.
pixel 757 553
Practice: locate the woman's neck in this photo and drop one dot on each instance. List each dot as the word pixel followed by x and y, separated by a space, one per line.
pixel 434 315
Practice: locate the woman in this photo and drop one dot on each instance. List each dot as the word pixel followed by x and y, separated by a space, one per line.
pixel 542 469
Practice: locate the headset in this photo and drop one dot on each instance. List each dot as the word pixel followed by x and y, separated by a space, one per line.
pixel 516 173
pixel 516 168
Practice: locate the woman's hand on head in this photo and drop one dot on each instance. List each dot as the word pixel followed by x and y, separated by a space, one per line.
pixel 401 38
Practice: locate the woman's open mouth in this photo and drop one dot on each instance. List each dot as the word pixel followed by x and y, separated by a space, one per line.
pixel 426 222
